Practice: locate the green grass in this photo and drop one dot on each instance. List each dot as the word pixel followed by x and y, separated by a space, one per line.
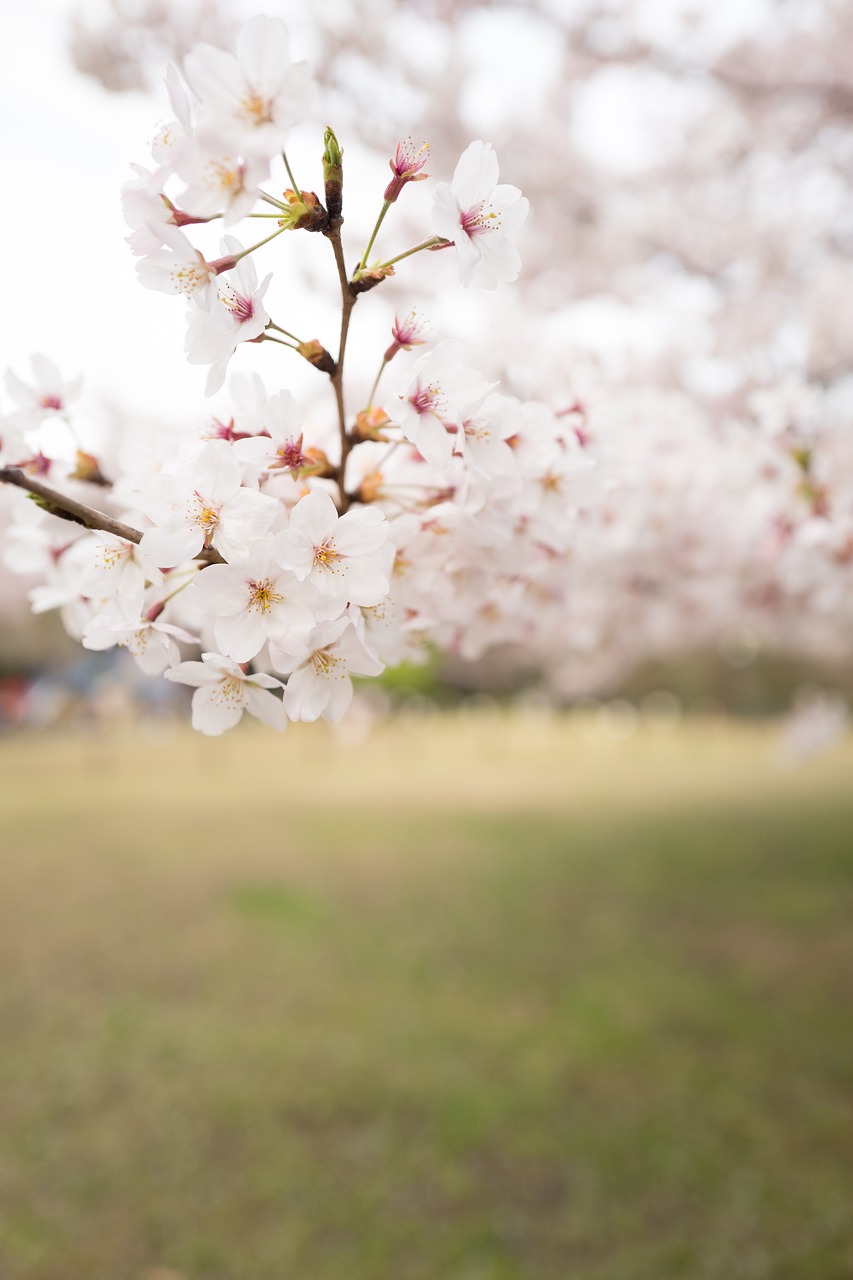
pixel 468 1000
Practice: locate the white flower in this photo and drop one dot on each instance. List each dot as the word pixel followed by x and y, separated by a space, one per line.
pixel 481 218
pixel 62 589
pixel 439 394
pixel 224 692
pixel 151 642
pixel 203 506
pixel 177 267
pixel 231 313
pixel 347 557
pixel 47 396
pixel 35 542
pixel 482 437
pixel 144 210
pixel 116 570
pixel 538 441
pixel 172 138
pixel 254 602
pixel 253 99
pixel 319 683
pixel 379 630
pixel 219 182
pixel 13 445
pixel 281 450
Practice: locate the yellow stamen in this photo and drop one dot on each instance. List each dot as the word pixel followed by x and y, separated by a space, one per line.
pixel 325 554
pixel 262 596
pixel 256 108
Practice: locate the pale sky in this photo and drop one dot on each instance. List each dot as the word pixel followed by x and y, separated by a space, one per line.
pixel 69 276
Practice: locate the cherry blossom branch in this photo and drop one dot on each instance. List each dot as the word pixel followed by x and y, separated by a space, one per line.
pixel 66 508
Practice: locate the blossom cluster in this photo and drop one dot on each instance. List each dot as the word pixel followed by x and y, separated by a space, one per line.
pixel 292 555
pixel 681 304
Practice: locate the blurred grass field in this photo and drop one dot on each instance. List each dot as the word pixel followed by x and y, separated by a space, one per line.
pixel 477 998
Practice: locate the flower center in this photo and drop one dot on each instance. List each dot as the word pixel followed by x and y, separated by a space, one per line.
pixel 290 455
pixel 136 642
pixel 207 516
pixel 188 277
pixel 476 429
pixel 407 161
pixel 478 219
pixel 324 662
pixel 227 177
pixel 262 596
pixel 428 399
pixel 256 108
pixel 241 308
pixel 325 555
pixel 230 691
pixel 114 555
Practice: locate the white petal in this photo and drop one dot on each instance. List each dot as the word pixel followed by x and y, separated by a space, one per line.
pixel 240 636
pixel 306 694
pixel 361 530
pixel 196 674
pixel 476 174
pixel 265 707
pixel 211 713
pixel 339 700
pixel 168 547
pixel 315 516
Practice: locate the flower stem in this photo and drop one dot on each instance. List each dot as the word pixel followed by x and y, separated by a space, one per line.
pixel 279 204
pixel 182 587
pixel 268 337
pixel 272 325
pixel 382 461
pixel 434 242
pixel 238 256
pixel 290 172
pixel 363 260
pixel 376 384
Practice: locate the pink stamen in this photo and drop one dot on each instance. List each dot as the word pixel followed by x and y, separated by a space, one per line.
pixel 242 308
pixel 423 400
pixel 290 456
pixel 471 224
